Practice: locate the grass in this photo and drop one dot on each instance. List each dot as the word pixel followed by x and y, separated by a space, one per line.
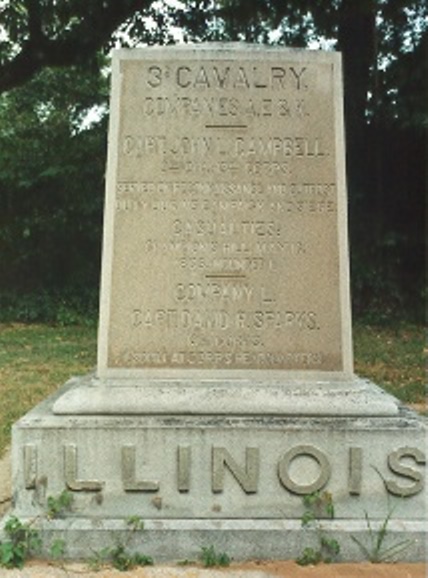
pixel 394 358
pixel 36 359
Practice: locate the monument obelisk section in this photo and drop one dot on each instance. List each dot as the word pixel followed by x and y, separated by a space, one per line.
pixel 225 249
pixel 225 246
pixel 224 389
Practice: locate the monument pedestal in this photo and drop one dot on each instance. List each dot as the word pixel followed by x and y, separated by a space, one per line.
pixel 234 481
pixel 225 390
pixel 256 395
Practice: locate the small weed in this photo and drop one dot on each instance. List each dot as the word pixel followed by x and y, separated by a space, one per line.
pixel 119 556
pixel 309 557
pixel 123 560
pixel 375 551
pixel 210 558
pixel 330 549
pixel 135 523
pixel 57 506
pixel 57 549
pixel 98 559
pixel 23 541
pixel 318 506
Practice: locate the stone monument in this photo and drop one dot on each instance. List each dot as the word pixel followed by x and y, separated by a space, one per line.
pixel 224 388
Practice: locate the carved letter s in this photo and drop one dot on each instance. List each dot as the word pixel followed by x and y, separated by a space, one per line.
pixel 395 465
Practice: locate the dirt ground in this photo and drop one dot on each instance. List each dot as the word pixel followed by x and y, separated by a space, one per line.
pixel 5 483
pixel 287 569
pixel 272 569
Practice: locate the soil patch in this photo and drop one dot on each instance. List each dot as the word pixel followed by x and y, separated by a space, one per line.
pixel 287 569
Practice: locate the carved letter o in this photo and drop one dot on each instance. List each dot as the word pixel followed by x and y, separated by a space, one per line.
pixel 312 452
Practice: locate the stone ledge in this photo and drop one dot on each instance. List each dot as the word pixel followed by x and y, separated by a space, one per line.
pixel 218 466
pixel 352 397
pixel 170 540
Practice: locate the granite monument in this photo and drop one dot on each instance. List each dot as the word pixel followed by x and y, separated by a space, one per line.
pixel 224 389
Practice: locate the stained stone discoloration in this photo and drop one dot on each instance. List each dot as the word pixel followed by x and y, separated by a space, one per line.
pixel 224 390
pixel 225 241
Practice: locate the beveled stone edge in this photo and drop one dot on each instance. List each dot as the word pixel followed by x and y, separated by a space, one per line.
pixel 348 398
pixel 245 539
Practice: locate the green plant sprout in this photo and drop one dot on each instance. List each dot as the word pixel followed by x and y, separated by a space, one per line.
pixel 58 505
pixel 23 541
pixel 57 549
pixel 318 506
pixel 119 556
pixel 210 558
pixel 376 551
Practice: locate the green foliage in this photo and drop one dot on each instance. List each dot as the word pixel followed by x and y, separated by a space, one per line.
pixel 376 551
pixel 309 557
pixel 57 549
pixel 135 523
pixel 58 505
pixel 330 549
pixel 119 556
pixel 36 35
pixel 70 306
pixel 98 559
pixel 123 560
pixel 393 356
pixel 52 158
pixel 318 506
pixel 23 541
pixel 34 360
pixel 387 225
pixel 210 557
pixel 51 183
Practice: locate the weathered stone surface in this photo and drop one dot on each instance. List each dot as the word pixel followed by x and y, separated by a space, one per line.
pixel 225 270
pixel 178 540
pixel 225 239
pixel 224 390
pixel 235 482
pixel 291 397
pixel 219 466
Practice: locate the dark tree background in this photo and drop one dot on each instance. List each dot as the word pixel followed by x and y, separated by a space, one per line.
pixel 53 111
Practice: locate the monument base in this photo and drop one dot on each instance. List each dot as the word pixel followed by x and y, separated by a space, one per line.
pixel 338 396
pixel 243 540
pixel 236 482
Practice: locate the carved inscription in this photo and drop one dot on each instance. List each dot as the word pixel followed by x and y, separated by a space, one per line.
pixel 130 483
pixel 247 476
pixel 70 473
pixel 304 451
pixel 30 466
pixel 355 471
pixel 405 470
pixel 184 464
pixel 226 76
pixel 225 204
pixel 301 469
